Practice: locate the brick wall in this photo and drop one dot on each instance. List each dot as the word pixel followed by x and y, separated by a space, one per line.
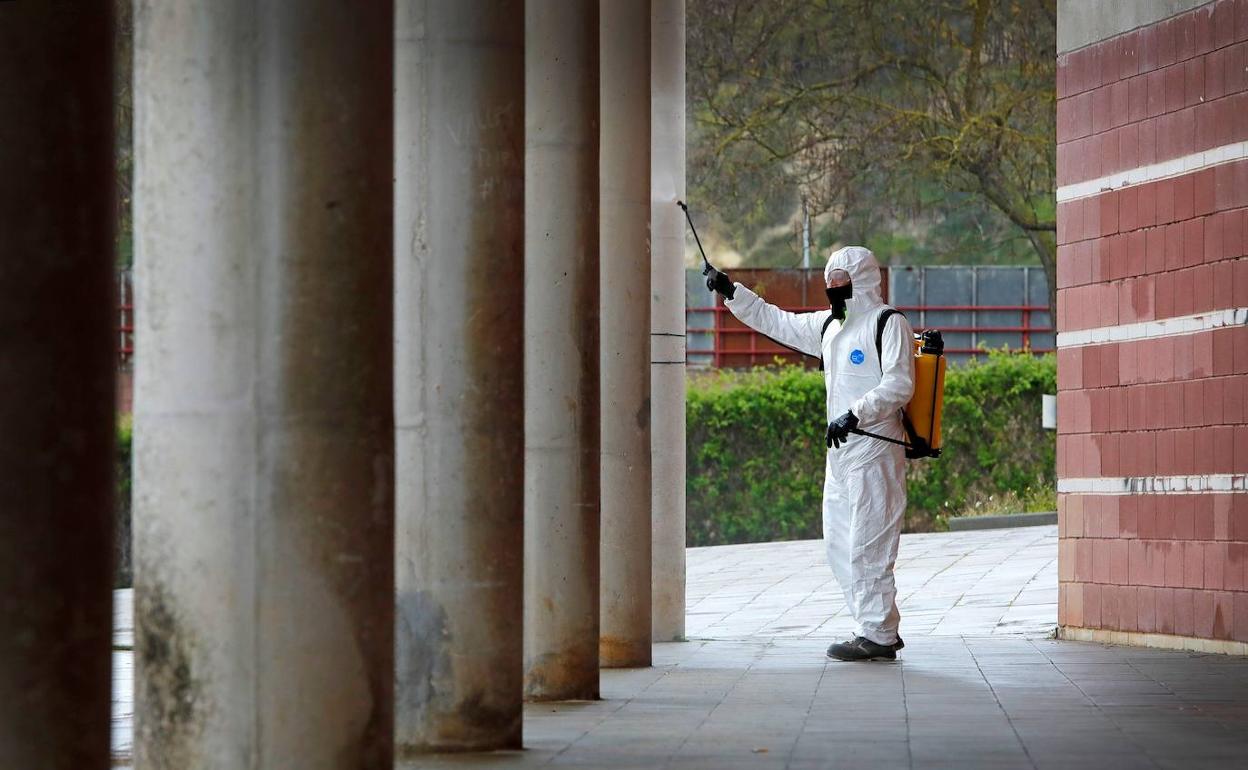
pixel 1152 171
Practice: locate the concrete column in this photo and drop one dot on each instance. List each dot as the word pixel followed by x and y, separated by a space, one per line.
pixel 561 472
pixel 58 361
pixel 625 290
pixel 264 429
pixel 667 324
pixel 459 354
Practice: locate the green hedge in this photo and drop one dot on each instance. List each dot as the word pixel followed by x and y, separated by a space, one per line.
pixel 123 573
pixel 756 451
pixel 993 442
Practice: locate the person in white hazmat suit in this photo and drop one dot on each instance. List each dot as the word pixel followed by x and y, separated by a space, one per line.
pixel 864 488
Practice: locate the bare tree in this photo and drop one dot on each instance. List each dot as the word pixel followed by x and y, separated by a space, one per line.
pixel 854 96
pixel 123 111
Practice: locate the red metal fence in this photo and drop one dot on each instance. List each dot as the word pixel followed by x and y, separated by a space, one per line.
pixel 738 346
pixel 734 345
pixel 125 319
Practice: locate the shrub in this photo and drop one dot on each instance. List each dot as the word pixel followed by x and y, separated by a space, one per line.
pixel 756 448
pixel 123 571
pixel 993 442
pixel 755 456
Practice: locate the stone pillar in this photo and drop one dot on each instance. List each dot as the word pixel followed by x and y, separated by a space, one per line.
pixel 264 431
pixel 625 300
pixel 561 472
pixel 57 366
pixel 459 388
pixel 667 324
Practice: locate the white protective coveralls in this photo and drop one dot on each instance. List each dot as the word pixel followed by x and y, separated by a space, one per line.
pixel 864 488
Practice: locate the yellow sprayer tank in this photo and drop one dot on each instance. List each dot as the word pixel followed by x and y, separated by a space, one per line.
pixel 928 400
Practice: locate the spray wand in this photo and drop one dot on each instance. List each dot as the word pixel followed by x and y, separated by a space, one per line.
pixel 706 270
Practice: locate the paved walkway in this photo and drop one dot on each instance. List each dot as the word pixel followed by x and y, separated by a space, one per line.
pixel 979 685
pixel 985 583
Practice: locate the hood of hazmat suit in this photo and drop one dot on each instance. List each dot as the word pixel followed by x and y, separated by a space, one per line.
pixel 858 378
pixel 864 491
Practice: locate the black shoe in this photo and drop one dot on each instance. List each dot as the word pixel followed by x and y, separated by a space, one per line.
pixel 862 648
pixel 899 643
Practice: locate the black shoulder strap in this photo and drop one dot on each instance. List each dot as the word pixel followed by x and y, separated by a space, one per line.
pixel 918 446
pixel 889 312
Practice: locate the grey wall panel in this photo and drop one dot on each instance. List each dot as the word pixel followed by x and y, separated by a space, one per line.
pixel 1084 22
pixel 950 287
pixel 1001 286
pixel 700 346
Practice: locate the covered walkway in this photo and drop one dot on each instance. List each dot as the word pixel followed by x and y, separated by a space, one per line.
pixel 409 451
pixel 980 683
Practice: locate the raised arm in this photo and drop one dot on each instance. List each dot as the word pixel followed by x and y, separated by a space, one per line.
pixel 897 379
pixel 801 331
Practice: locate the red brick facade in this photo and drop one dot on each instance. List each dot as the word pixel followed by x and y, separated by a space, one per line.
pixel 1142 240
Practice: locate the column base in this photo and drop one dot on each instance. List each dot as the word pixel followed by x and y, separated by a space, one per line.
pixel 415 751
pixel 614 652
pixel 557 677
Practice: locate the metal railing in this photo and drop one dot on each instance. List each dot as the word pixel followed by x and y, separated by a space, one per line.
pixel 125 318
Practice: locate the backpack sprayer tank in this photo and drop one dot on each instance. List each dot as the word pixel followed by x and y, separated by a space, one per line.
pixel 928 401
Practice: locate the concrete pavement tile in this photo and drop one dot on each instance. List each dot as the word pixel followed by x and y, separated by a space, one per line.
pixel 959 748
pixel 972 764
pixel 759 761
pixel 1192 763
pixel 874 753
pixel 1113 762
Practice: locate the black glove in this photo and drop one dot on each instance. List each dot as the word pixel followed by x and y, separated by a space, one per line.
pixel 720 282
pixel 838 429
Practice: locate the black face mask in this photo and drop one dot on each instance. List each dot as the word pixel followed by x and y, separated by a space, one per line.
pixel 836 298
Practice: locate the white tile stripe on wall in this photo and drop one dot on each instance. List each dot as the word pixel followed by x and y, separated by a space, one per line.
pixel 1147 330
pixel 1156 485
pixel 1167 168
